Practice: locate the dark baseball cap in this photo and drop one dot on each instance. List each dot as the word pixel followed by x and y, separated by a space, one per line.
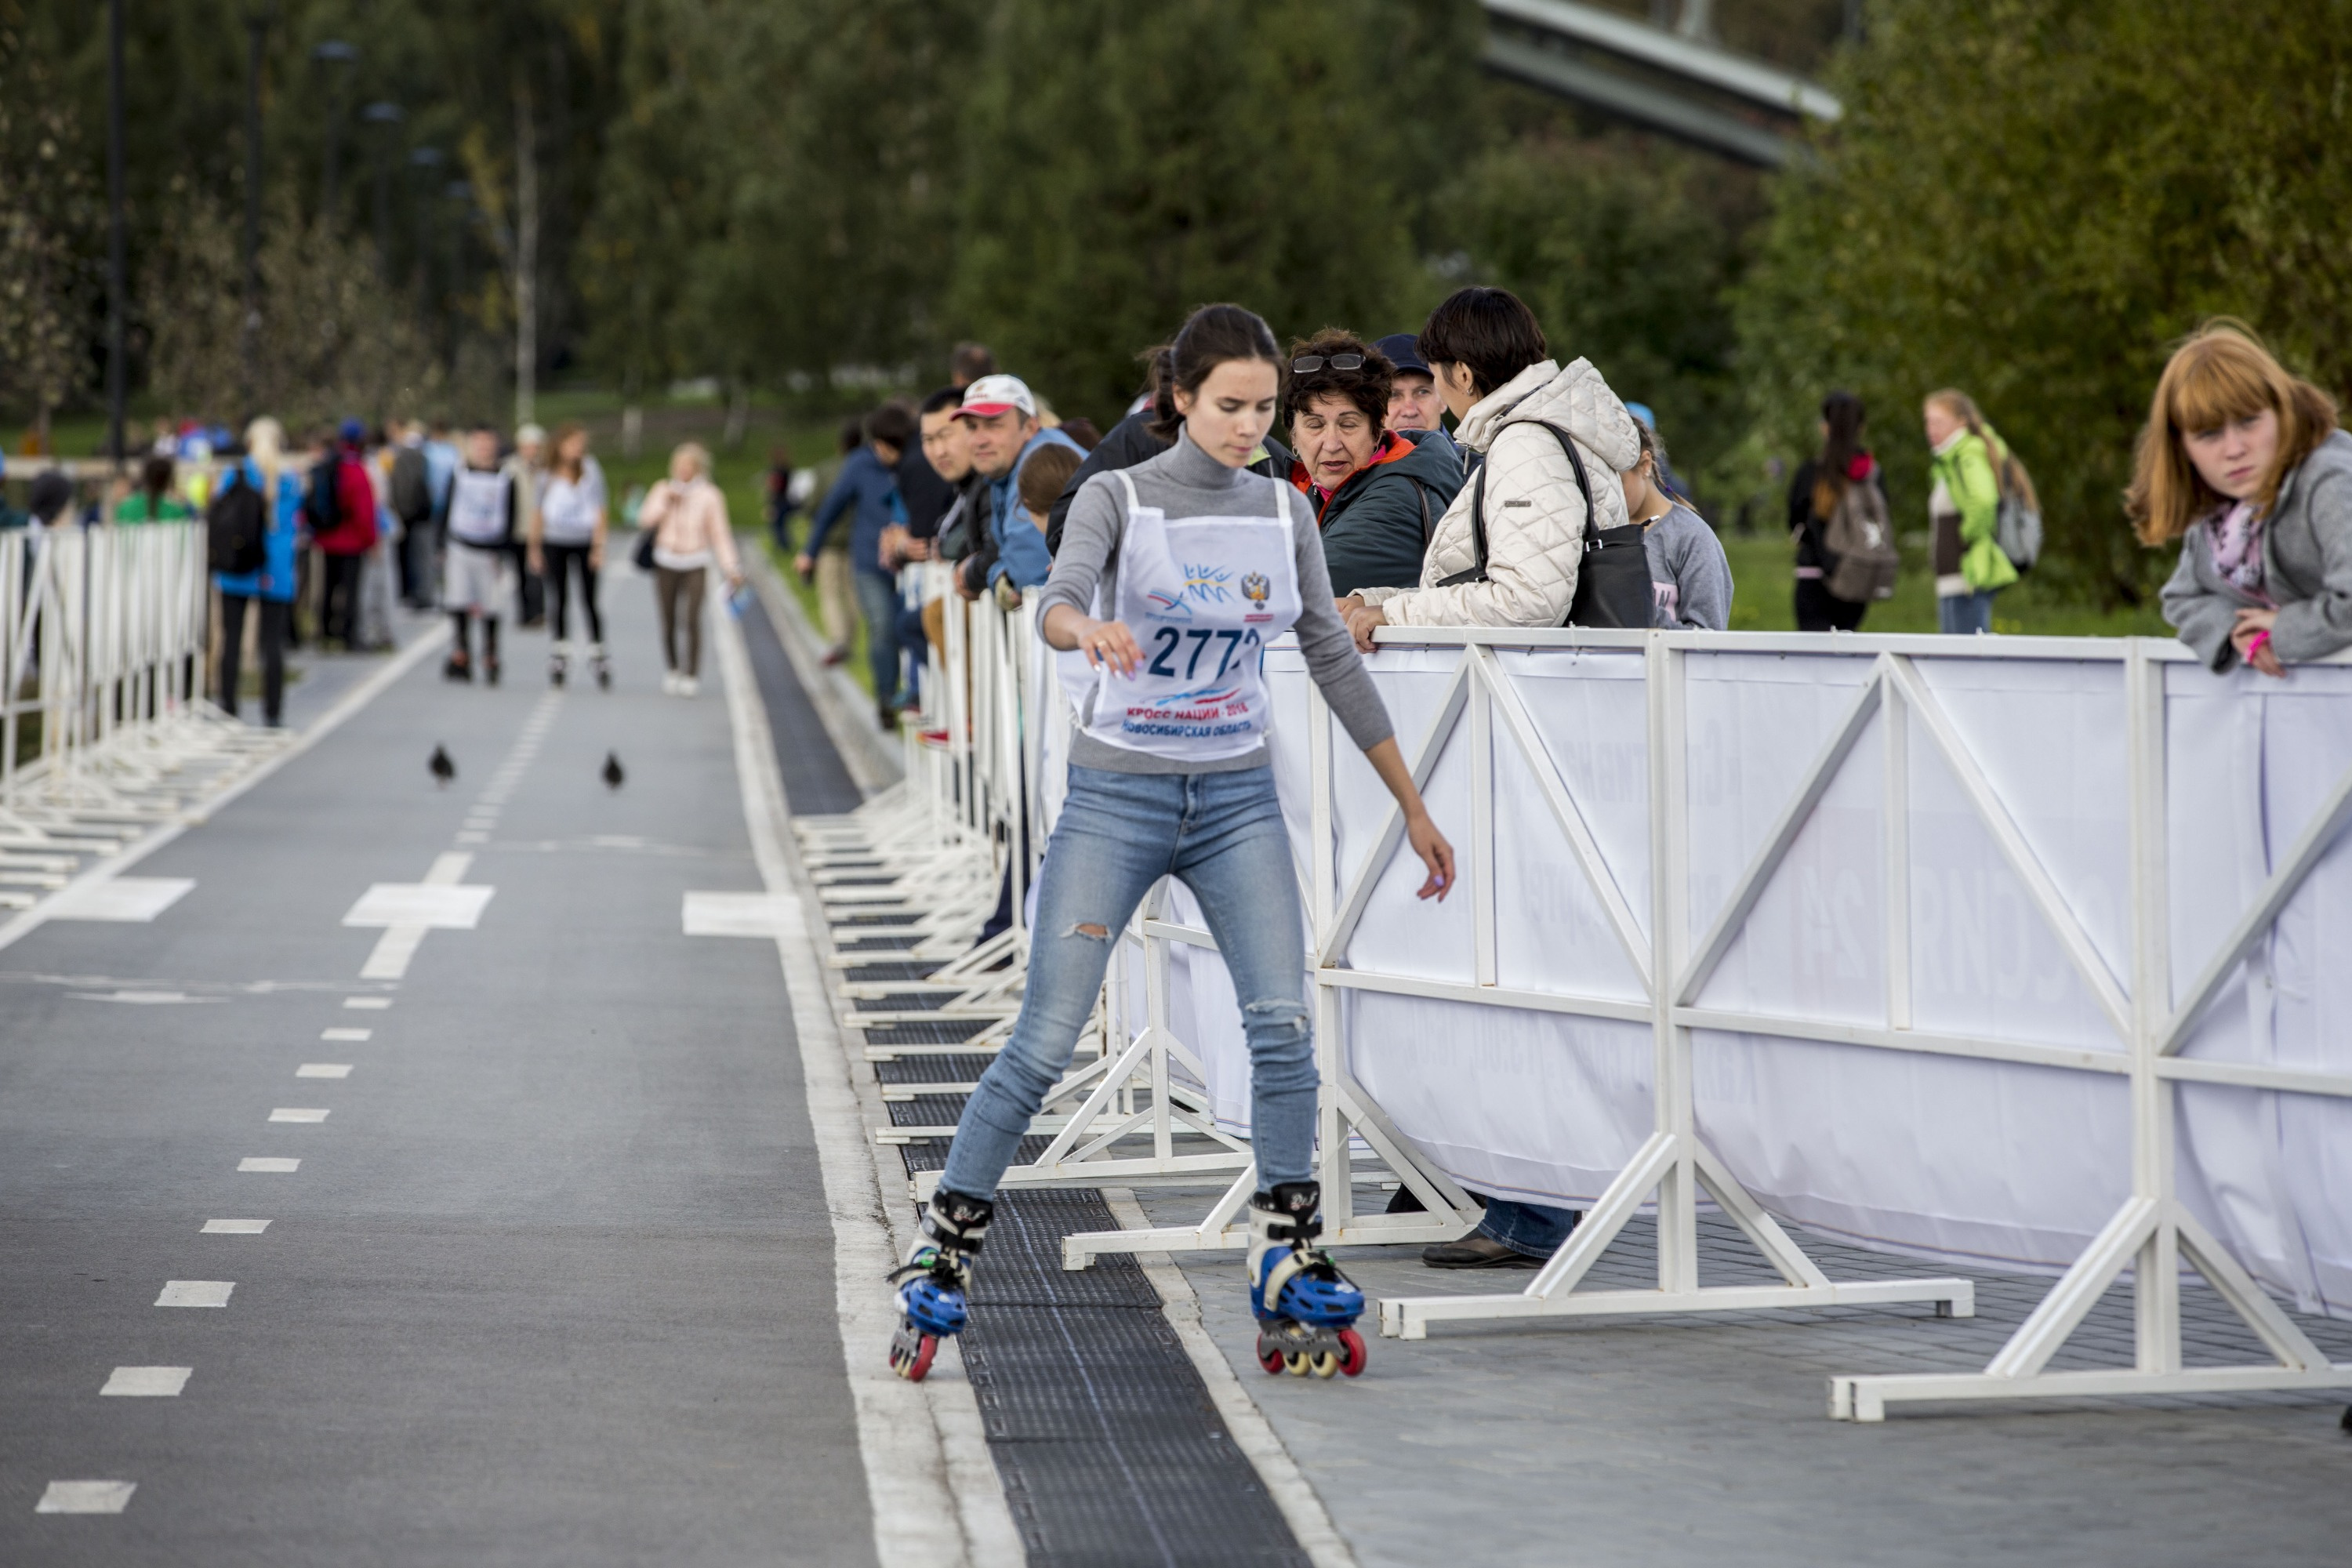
pixel 1403 351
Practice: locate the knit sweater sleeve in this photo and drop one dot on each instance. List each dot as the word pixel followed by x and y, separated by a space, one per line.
pixel 1090 536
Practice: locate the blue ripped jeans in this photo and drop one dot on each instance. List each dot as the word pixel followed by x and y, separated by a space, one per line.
pixel 1223 836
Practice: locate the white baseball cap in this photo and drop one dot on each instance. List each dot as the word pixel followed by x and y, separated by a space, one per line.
pixel 993 395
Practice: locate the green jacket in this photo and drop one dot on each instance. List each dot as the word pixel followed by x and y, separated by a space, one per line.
pixel 1372 531
pixel 1967 475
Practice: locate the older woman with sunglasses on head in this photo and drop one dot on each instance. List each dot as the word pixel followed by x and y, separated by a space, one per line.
pixel 1377 493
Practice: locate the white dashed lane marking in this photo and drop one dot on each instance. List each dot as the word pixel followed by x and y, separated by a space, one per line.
pixel 235 1226
pixel 296 1113
pixel 195 1293
pixel 268 1165
pixel 86 1497
pixel 323 1069
pixel 348 1034
pixel 367 1004
pixel 148 1382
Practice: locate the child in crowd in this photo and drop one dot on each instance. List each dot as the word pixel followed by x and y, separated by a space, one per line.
pixel 1689 574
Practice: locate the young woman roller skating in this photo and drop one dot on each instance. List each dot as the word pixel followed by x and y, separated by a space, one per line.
pixel 1173 577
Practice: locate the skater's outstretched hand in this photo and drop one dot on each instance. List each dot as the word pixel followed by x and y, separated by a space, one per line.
pixel 1419 831
pixel 1103 642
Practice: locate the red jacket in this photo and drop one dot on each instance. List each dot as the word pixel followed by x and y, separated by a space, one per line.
pixel 354 529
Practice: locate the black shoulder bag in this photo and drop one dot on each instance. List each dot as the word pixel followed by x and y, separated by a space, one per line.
pixel 1613 579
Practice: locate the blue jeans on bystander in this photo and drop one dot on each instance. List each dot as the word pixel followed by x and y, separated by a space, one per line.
pixel 878 602
pixel 1223 836
pixel 1965 614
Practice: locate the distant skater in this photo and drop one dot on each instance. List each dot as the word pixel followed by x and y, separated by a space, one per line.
pixel 567 538
pixel 477 583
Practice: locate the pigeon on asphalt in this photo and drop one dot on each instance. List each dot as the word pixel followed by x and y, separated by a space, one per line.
pixel 612 773
pixel 444 770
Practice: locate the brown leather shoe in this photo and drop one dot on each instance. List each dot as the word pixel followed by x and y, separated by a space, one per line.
pixel 1477 1251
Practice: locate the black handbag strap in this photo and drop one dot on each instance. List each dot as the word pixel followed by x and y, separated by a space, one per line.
pixel 1478 572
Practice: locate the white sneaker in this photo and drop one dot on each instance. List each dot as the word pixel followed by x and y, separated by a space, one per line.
pixel 687 686
pixel 669 683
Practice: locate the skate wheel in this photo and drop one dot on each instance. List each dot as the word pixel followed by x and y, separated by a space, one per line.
pixel 1323 1363
pixel 914 1368
pixel 1269 1358
pixel 1353 1357
pixel 1295 1362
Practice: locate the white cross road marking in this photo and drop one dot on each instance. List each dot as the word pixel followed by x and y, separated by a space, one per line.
pixel 770 915
pixel 435 906
pixel 323 1069
pixel 294 1113
pixel 233 1227
pixel 268 1165
pixel 148 1382
pixel 132 899
pixel 195 1293
pixel 346 1035
pixel 86 1497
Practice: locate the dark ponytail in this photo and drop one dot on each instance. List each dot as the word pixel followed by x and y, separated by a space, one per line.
pixel 1842 412
pixel 1212 335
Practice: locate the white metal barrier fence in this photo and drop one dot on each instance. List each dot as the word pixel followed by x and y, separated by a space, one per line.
pixel 104 726
pixel 1727 924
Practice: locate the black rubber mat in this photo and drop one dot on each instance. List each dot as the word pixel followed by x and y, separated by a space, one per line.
pixel 932 1069
pixel 815 781
pixel 1108 1447
pixel 945 1031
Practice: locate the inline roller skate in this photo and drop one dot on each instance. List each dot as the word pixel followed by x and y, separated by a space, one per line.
pixel 1305 1307
pixel 600 667
pixel 556 663
pixel 934 1279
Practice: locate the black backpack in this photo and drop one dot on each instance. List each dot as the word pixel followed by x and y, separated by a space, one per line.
pixel 321 505
pixel 1612 582
pixel 233 525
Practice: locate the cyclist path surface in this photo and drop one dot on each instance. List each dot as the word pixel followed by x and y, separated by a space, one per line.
pixel 546 1274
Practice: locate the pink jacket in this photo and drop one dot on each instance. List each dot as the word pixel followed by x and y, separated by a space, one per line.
pixel 689 520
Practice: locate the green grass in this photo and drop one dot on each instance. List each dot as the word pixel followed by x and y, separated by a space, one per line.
pixel 1763 581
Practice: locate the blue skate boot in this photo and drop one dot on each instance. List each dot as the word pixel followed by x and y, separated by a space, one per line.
pixel 934 1279
pixel 1305 1307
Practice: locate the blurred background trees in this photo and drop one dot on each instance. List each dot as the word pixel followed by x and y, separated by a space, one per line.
pixel 806 201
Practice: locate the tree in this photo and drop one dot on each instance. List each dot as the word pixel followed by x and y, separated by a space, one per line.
pixel 1274 152
pixel 1625 256
pixel 49 220
pixel 2031 200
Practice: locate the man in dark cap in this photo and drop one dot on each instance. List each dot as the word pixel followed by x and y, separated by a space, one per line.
pixel 1413 402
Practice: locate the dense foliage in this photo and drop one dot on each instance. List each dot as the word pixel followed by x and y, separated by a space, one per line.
pixel 2030 200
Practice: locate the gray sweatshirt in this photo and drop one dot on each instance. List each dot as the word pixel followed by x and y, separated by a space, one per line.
pixel 1184 482
pixel 2307 568
pixel 1689 576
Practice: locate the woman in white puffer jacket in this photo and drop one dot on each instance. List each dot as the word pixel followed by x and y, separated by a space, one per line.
pixel 1488 356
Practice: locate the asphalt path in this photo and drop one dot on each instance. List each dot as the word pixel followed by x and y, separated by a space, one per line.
pixel 553 1282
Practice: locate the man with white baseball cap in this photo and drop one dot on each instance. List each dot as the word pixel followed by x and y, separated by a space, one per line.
pixel 1001 413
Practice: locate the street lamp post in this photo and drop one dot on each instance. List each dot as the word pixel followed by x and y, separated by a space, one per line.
pixel 334 52
pixel 117 371
pixel 386 115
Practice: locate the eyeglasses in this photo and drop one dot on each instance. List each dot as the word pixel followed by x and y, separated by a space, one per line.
pixel 1307 365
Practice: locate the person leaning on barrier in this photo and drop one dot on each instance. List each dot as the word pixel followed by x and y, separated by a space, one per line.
pixel 1414 403
pixel 1005 433
pixel 157 498
pixel 1690 577
pixel 1488 354
pixel 1377 493
pixel 2242 462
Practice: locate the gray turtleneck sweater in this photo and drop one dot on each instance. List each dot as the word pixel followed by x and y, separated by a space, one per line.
pixel 1184 482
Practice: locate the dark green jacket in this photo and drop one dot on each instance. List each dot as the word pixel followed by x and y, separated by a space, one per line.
pixel 1374 531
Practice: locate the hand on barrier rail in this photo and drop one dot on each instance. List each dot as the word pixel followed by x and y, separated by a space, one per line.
pixel 2252 636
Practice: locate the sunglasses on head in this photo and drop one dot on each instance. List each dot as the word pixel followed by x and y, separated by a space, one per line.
pixel 1307 365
